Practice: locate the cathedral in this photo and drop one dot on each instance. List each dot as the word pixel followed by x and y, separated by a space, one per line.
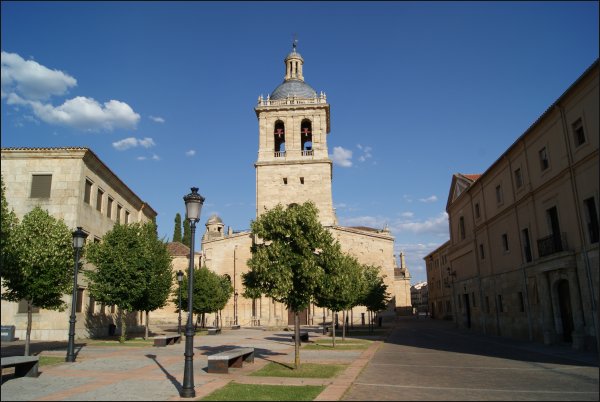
pixel 293 166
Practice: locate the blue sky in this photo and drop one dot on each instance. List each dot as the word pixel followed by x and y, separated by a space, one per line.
pixel 163 93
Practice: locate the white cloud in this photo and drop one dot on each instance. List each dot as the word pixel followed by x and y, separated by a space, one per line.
pixel 29 83
pixel 432 198
pixel 366 152
pixel 32 80
pixel 141 158
pixel 191 152
pixel 407 214
pixel 407 198
pixel 155 157
pixel 435 225
pixel 132 142
pixel 342 157
pixel 157 119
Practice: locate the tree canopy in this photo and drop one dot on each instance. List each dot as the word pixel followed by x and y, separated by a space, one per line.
pixel 8 220
pixel 38 263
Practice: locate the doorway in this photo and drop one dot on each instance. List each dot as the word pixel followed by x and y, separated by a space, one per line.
pixel 566 314
pixel 467 310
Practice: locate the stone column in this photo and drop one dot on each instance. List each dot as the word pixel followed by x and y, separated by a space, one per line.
pixel 578 334
pixel 546 307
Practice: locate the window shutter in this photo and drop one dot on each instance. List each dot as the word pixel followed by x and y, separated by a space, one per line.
pixel 40 185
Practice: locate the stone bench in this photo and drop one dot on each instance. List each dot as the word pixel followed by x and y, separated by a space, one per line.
pixel 235 326
pixel 220 362
pixel 214 331
pixel 303 336
pixel 165 340
pixel 25 366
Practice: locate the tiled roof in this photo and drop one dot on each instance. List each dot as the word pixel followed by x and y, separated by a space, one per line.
pixel 472 176
pixel 365 228
pixel 178 249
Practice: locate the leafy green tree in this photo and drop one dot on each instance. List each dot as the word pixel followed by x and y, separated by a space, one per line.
pixel 121 262
pixel 342 285
pixel 177 230
pixel 284 263
pixel 158 273
pixel 375 296
pixel 187 234
pixel 39 264
pixel 8 220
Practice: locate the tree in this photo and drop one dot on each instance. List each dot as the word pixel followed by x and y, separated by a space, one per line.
pixel 211 292
pixel 8 220
pixel 375 296
pixel 187 234
pixel 39 264
pixel 158 273
pixel 177 230
pixel 119 277
pixel 284 263
pixel 342 284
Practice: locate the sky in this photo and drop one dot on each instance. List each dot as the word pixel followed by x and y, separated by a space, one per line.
pixel 164 94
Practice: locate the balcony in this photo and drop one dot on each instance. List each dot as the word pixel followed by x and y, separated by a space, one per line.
pixel 555 243
pixel 279 154
pixel 307 152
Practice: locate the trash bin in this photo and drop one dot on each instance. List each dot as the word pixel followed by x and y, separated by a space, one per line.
pixel 8 333
pixel 111 329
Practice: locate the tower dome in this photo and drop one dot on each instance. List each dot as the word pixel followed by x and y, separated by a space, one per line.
pixel 293 84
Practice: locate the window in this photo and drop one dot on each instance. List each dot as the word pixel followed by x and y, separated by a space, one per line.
pixel 79 305
pixel 119 208
pixel 279 139
pixel 473 301
pixel 285 180
pixel 521 302
pixel 578 133
pixel 99 196
pixel 544 162
pixel 592 219
pixel 499 195
pixel 22 308
pixel 526 245
pixel 477 212
pixel 505 241
pixel 126 217
pixel 109 205
pixel 40 185
pixel 518 178
pixel 481 252
pixel 302 180
pixel 92 305
pixel 87 196
pixel 113 309
pixel 500 306
pixel 461 227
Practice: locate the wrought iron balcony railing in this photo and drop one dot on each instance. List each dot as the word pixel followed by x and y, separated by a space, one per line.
pixel 555 243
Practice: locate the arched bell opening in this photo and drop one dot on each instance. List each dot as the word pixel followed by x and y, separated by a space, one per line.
pixel 279 135
pixel 306 137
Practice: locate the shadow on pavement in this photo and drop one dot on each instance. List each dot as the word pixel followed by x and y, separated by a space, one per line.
pixel 171 378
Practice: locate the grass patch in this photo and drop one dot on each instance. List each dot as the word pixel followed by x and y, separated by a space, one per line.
pixel 306 370
pixel 327 344
pixel 139 342
pixel 254 392
pixel 51 360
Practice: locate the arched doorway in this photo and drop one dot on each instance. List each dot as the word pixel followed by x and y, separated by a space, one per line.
pixel 566 314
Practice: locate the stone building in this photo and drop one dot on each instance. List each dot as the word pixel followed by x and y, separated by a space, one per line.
pixel 293 166
pixel 72 184
pixel 522 259
pixel 419 296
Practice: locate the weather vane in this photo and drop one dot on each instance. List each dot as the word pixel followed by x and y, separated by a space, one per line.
pixel 295 43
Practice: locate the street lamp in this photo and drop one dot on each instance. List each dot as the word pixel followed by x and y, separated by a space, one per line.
pixel 180 280
pixel 235 293
pixel 193 206
pixel 79 237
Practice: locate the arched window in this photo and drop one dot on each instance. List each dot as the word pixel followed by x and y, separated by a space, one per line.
pixel 306 137
pixel 279 134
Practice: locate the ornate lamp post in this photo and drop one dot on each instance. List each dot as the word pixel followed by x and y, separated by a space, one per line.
pixel 180 280
pixel 193 206
pixel 79 237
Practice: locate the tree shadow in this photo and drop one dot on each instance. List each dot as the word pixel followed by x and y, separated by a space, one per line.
pixel 171 378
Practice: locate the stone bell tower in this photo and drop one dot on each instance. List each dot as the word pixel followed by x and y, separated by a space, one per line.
pixel 293 163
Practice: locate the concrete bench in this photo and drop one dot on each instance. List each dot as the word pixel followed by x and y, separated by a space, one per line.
pixel 165 340
pixel 214 331
pixel 303 336
pixel 220 362
pixel 25 366
pixel 235 326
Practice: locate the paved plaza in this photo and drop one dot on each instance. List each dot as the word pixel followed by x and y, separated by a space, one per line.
pixel 420 359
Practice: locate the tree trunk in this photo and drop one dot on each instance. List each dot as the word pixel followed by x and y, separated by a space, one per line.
pixel 147 325
pixel 123 326
pixel 343 325
pixel 296 340
pixel 28 332
pixel 221 318
pixel 334 314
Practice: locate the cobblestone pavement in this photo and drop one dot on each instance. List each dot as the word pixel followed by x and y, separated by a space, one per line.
pixel 431 360
pixel 421 359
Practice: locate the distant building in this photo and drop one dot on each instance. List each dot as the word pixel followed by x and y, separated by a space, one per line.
pixel 522 259
pixel 72 184
pixel 419 297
